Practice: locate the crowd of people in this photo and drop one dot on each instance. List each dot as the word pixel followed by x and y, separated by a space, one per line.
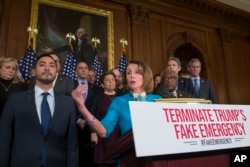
pixel 57 121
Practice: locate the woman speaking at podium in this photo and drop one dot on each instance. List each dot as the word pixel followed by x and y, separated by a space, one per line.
pixel 139 79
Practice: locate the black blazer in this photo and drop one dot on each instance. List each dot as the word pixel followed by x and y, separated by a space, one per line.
pixel 184 85
pixel 92 89
pixel 22 139
pixel 164 93
pixel 84 134
pixel 64 85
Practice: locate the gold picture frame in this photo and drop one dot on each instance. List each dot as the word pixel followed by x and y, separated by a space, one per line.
pixel 66 17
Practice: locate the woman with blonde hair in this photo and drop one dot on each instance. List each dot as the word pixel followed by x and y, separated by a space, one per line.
pixel 8 80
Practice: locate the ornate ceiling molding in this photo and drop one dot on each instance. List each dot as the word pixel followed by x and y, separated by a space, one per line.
pixel 225 35
pixel 139 15
pixel 220 14
pixel 216 9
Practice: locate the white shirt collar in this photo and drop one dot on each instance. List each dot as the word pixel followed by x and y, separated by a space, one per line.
pixel 80 82
pixel 140 96
pixel 39 91
pixel 195 78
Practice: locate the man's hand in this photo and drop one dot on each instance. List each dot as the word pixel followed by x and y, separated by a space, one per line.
pixel 81 123
pixel 77 94
pixel 94 138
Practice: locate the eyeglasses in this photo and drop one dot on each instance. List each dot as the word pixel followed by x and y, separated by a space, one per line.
pixel 170 78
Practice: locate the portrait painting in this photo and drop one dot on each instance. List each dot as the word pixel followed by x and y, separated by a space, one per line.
pixel 54 19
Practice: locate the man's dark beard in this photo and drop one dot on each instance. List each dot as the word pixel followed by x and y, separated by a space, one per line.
pixel 46 81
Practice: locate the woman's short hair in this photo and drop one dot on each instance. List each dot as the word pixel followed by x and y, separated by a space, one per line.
pixel 176 59
pixel 193 60
pixel 105 74
pixel 166 72
pixel 8 59
pixel 146 72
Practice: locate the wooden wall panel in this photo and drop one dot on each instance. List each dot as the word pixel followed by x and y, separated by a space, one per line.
pixel 157 41
pixel 121 30
pixel 19 13
pixel 150 26
pixel 4 22
pixel 241 61
pixel 216 67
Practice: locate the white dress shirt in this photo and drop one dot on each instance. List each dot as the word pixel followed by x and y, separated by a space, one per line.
pixel 39 98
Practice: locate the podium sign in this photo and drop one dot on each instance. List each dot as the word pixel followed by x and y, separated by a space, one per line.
pixel 171 128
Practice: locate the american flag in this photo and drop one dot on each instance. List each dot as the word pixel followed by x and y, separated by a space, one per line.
pixel 26 63
pixel 98 68
pixel 69 66
pixel 122 63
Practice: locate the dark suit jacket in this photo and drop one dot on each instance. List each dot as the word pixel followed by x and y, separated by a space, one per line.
pixel 164 93
pixel 84 134
pixel 206 90
pixel 183 85
pixel 92 89
pixel 85 53
pixel 21 135
pixel 4 95
pixel 63 84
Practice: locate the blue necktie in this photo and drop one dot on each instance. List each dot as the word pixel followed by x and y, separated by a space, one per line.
pixel 45 113
pixel 45 119
pixel 196 87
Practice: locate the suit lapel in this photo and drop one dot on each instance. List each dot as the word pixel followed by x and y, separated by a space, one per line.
pixel 58 114
pixel 202 87
pixel 57 110
pixel 30 96
pixel 57 79
pixel 192 87
pixel 59 84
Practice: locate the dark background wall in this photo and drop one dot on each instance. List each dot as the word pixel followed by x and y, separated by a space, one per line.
pixel 217 34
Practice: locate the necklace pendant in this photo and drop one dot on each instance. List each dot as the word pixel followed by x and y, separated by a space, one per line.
pixel 6 88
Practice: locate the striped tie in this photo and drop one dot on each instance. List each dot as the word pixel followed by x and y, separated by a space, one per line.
pixel 84 94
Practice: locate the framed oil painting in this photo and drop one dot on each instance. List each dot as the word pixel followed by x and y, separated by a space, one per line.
pixel 54 19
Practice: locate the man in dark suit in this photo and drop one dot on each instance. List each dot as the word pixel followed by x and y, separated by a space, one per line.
pixel 183 85
pixel 37 128
pixel 61 83
pixel 169 81
pixel 202 88
pixel 82 50
pixel 86 150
